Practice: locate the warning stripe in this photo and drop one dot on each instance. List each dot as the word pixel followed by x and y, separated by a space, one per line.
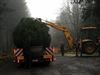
pixel 46 53
pixel 18 52
pixel 49 51
pixel 15 50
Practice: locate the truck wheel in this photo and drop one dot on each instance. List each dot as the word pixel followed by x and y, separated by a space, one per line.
pixel 89 47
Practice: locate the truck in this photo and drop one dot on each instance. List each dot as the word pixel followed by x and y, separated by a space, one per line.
pixel 87 41
pixel 38 53
pixel 32 42
pixel 86 45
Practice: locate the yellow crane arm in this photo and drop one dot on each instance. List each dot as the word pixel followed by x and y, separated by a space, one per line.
pixel 67 33
pixel 70 39
pixel 62 28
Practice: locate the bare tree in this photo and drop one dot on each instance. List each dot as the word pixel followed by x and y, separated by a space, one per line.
pixel 69 17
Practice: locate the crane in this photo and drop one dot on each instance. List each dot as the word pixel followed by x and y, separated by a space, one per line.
pixel 66 31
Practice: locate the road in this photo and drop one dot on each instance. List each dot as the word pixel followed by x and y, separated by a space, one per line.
pixel 62 66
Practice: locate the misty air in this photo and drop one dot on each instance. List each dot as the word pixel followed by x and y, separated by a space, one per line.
pixel 49 37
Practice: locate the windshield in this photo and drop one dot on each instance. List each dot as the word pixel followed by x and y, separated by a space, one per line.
pixel 88 33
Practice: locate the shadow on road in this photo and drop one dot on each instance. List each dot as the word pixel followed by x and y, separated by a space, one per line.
pixel 34 65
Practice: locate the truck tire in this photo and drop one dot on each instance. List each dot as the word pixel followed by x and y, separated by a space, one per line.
pixel 89 47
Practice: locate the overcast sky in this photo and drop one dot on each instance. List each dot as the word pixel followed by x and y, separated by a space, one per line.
pixel 45 9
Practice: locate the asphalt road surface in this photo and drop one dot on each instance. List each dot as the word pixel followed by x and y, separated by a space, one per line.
pixel 62 66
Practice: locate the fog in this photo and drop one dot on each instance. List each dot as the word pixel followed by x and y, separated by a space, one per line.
pixel 12 12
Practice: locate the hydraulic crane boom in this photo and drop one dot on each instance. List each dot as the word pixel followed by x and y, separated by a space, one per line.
pixel 66 32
